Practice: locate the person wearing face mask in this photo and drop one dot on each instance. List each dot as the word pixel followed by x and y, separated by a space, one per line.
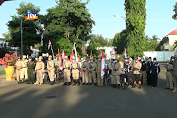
pixel 175 74
pixel 136 72
pixel 92 72
pixel 172 60
pixel 57 70
pixel 51 69
pixel 148 66
pixel 84 68
pixel 18 66
pixel 98 71
pixel 75 72
pixel 67 73
pixel 24 69
pixel 31 67
pixel 169 77
pixel 116 71
pixel 143 76
pixel 155 70
pixel 39 69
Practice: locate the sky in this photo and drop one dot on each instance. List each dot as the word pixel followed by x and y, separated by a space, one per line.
pixel 159 15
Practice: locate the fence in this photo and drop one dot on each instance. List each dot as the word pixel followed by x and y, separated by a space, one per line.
pixel 161 56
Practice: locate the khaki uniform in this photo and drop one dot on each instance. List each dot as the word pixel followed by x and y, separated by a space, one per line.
pixel 92 72
pixel 18 66
pixel 58 64
pixel 39 71
pixel 110 66
pixel 116 71
pixel 137 72
pixel 84 72
pixel 75 70
pixel 98 71
pixel 51 69
pixel 24 69
pixel 169 76
pixel 67 73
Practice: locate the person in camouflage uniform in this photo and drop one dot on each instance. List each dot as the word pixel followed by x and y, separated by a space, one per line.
pixel 31 66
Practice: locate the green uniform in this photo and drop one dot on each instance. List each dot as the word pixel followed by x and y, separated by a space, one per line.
pixel 31 67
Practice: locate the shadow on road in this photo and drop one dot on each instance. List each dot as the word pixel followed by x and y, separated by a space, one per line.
pixel 29 101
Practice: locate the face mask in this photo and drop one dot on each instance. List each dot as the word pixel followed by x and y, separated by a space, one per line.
pixel 84 60
pixel 172 59
pixel 35 58
pixel 136 61
pixel 39 59
pixel 18 59
pixel 149 60
pixel 91 61
pixel 116 61
pixel 142 60
pixel 126 60
pixel 74 60
pixel 29 59
pixel 155 61
pixel 167 63
pixel 99 59
pixel 49 59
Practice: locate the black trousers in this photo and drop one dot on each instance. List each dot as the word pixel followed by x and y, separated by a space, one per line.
pixel 136 78
pixel 128 77
pixel 154 80
pixel 148 78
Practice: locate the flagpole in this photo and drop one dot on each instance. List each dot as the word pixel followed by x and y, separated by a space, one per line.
pixel 52 51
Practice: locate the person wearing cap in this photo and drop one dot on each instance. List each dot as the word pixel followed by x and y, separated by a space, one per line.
pixel 155 70
pixel 143 71
pixel 39 69
pixel 136 72
pixel 24 69
pixel 57 69
pixel 175 74
pixel 31 67
pixel 75 72
pixel 18 66
pixel 116 72
pixel 98 71
pixel 92 72
pixel 84 72
pixel 169 77
pixel 67 73
pixel 51 69
pixel 148 66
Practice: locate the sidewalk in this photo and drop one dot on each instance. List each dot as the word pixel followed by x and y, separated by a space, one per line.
pixel 3 81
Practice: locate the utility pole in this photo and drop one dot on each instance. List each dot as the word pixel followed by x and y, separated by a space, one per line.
pixel 21 27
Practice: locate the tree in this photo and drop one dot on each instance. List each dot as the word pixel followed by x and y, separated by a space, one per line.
pixel 30 38
pixel 120 41
pixel 7 36
pixel 69 19
pixel 135 26
pixel 175 10
pixel 152 44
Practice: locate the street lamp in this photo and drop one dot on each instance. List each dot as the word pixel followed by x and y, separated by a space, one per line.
pixel 120 17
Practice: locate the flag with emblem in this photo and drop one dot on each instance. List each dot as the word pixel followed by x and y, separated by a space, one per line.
pixel 103 71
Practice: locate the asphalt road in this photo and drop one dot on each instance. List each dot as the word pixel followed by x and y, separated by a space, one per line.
pixel 29 101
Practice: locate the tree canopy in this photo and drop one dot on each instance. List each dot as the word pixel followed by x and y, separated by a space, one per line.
pixel 175 10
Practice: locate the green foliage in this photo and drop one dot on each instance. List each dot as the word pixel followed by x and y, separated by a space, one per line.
pixel 3 50
pixel 120 41
pixel 135 26
pixel 152 44
pixel 175 10
pixel 7 36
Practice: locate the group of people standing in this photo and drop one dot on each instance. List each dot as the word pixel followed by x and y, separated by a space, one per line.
pixel 88 72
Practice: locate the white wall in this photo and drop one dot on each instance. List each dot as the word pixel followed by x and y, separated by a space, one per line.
pixel 172 39
pixel 160 55
pixel 107 51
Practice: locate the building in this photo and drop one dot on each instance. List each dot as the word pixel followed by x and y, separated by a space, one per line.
pixel 2 41
pixel 167 42
pixel 107 51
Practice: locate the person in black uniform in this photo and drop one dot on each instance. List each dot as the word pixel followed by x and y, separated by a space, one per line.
pixel 143 71
pixel 148 66
pixel 127 66
pixel 172 60
pixel 154 70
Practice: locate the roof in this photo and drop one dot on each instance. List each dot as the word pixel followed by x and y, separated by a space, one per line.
pixel 174 32
pixel 2 37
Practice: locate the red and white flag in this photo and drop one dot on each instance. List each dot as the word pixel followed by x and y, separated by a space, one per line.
pixel 78 58
pixel 91 55
pixel 99 53
pixel 103 71
pixel 49 44
pixel 125 53
pixel 71 56
pixel 63 56
pixel 59 56
pixel 74 47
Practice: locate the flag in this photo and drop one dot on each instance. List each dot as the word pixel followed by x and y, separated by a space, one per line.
pixel 74 47
pixel 91 55
pixel 59 56
pixel 103 71
pixel 113 51
pixel 99 53
pixel 78 58
pixel 63 56
pixel 71 56
pixel 49 44
pixel 115 56
pixel 125 53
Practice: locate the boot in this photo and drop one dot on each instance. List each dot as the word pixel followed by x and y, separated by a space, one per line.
pixel 114 86
pixel 74 82
pixel 65 83
pixel 118 86
pixel 175 90
pixel 95 84
pixel 139 86
pixel 69 83
pixel 133 85
pixel 78 82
